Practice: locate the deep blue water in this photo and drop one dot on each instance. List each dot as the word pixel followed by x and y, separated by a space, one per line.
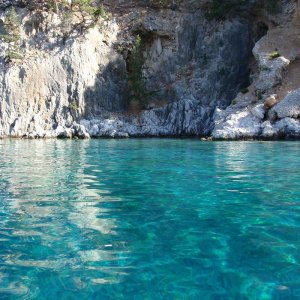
pixel 149 219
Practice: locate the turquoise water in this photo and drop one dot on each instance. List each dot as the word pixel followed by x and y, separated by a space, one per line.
pixel 149 219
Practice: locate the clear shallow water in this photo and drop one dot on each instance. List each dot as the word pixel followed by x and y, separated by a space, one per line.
pixel 149 219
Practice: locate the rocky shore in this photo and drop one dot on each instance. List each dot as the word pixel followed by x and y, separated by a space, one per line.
pixel 234 78
pixel 270 107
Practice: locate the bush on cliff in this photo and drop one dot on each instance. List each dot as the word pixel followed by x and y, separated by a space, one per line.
pixel 136 80
pixel 219 9
pixel 12 25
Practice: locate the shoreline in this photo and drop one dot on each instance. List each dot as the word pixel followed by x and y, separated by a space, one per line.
pixel 167 137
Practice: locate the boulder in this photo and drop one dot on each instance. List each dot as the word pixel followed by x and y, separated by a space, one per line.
pixel 241 124
pixel 288 127
pixel 80 131
pixel 268 131
pixel 270 102
pixel 65 133
pixel 288 107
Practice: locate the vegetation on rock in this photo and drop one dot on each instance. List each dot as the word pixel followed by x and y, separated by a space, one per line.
pixel 219 9
pixel 88 9
pixel 274 54
pixel 135 62
pixel 12 25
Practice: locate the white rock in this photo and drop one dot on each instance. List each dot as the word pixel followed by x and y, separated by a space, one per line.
pixel 268 131
pixel 241 124
pixel 288 126
pixel 288 107
pixel 258 111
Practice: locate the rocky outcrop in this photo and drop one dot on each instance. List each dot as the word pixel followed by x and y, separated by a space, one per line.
pixel 6 3
pixel 288 107
pixel 245 124
pixel 72 80
pixel 70 76
pixel 271 106
pixel 257 122
pixel 49 90
pixel 181 118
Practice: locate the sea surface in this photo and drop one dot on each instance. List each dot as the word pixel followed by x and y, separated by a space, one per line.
pixel 149 219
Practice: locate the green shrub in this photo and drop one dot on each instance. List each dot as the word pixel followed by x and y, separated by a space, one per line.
pixel 73 105
pixel 13 55
pixel 88 7
pixel 10 38
pixel 265 68
pixel 135 76
pixel 259 94
pixel 136 60
pixel 273 6
pixel 218 9
pixel 244 90
pixel 205 59
pixel 222 71
pixel 274 54
pixel 99 12
pixel 12 25
pixel 12 22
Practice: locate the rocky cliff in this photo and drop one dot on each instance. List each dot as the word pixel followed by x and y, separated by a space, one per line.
pixel 149 68
pixel 270 106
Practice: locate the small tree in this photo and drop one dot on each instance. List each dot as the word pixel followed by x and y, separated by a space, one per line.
pixel 12 23
pixel 135 72
pixel 86 9
pixel 12 26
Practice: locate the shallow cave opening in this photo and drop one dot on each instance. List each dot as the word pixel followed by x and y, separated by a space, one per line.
pixel 260 29
pixel 244 73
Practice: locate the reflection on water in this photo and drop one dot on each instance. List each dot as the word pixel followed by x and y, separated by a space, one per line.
pixel 51 210
pixel 149 219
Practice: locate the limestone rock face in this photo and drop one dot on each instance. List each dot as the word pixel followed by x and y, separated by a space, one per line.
pixel 288 107
pixel 73 81
pixel 241 124
pixel 182 118
pixel 55 88
pixel 6 3
pixel 258 111
pixel 271 108
pixel 72 77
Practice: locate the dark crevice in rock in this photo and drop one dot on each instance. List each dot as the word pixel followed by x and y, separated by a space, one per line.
pixel 260 29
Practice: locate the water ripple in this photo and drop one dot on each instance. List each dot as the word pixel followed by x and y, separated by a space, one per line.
pixel 149 219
